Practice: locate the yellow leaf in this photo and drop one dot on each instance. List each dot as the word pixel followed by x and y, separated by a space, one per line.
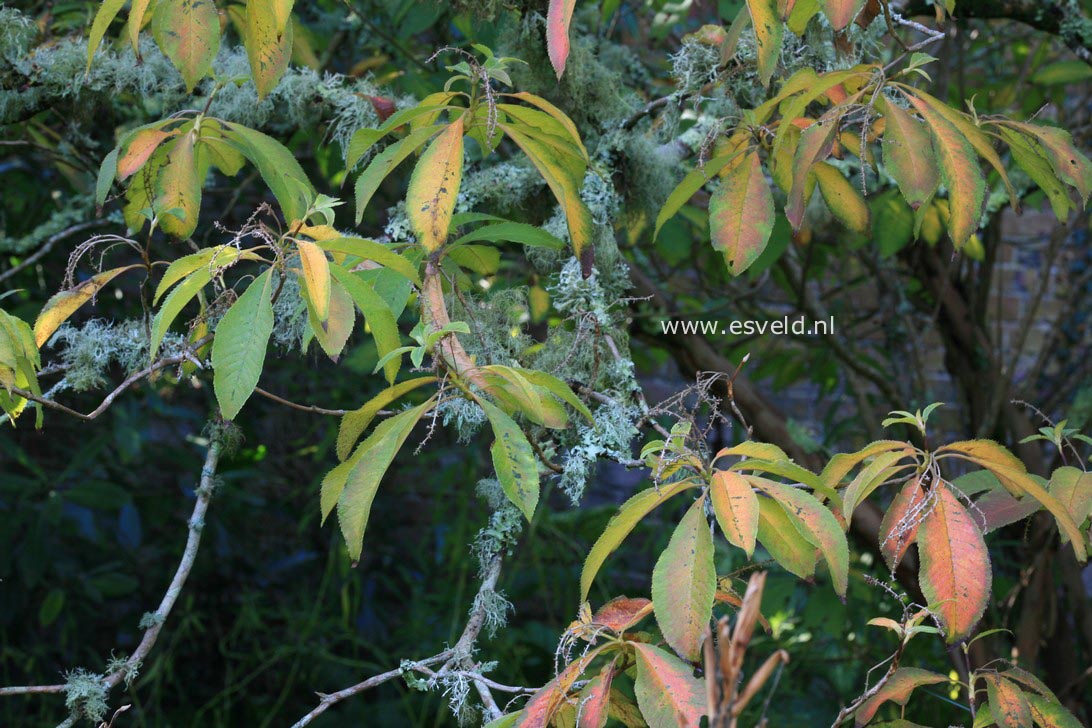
pixel 105 15
pixel 188 33
pixel 136 22
pixel 268 41
pixel 64 304
pixel 741 214
pixel 768 34
pixel 843 199
pixel 178 190
pixel 316 277
pixel 434 186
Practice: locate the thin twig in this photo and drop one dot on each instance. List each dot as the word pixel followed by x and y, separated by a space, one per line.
pixel 48 245
pixel 301 407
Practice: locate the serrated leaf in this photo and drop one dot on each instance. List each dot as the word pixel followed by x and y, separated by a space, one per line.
pixel 268 39
pixel 238 350
pixel 375 252
pixel 136 21
pixel 1073 489
pixel 736 508
pixel 844 200
pixel 955 565
pixel 550 698
pixel 667 693
pixel 1028 156
pixel 768 35
pixel 385 162
pixel 741 214
pixel 173 305
pixel 842 12
pixel 107 173
pixel 434 186
pixel 556 113
pixel 278 167
pixel 1007 703
pixel 563 172
pixel 909 157
pixel 621 613
pixel 839 466
pixel 334 331
pixel 1069 164
pixel 105 15
pixel 815 145
pixel 558 16
pixel 620 525
pixel 354 423
pixel 63 304
pixel 817 524
pixel 139 148
pixel 684 581
pixel 316 277
pixel 595 698
pixel 354 497
pixel 513 460
pixel 513 232
pixel 558 388
pixel 694 180
pixel 188 33
pixel 779 535
pixel 961 174
pixel 1050 714
pixel 899 527
pixel 379 317
pixel 878 472
pixel 899 687
pixel 218 257
pixel 178 189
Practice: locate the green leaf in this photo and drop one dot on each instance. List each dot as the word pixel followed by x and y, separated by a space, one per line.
pixel 684 582
pixel 364 139
pixel 817 524
pixel 375 252
pixel 780 536
pixel 369 464
pixel 909 157
pixel 105 15
pixel 188 33
pixel 694 180
pixel 1026 152
pixel 108 170
pixel 514 460
pixel 563 167
pixel 741 214
pixel 238 350
pixel 512 232
pixel 385 162
pixel 628 516
pixel 815 145
pixel 173 305
pixel 355 422
pixel 376 313
pixel 278 168
pixel 1063 72
pixel 1050 714
pixel 559 388
pixel 216 258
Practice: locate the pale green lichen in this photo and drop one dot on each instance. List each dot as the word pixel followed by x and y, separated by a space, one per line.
pixel 85 695
pixel 86 352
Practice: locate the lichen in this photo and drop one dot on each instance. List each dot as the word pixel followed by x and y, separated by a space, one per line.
pixel 85 695
pixel 86 352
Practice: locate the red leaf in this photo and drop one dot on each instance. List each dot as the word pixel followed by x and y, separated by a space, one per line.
pixel 842 12
pixel 621 613
pixel 542 706
pixel 595 698
pixel 557 33
pixel 667 693
pixel 955 565
pixel 900 523
pixel 384 108
pixel 897 688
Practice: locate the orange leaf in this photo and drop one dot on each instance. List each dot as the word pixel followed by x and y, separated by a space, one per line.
pixel 558 17
pixel 667 692
pixel 741 214
pixel 316 277
pixel 898 688
pixel 621 613
pixel 1007 703
pixel 545 703
pixel 595 698
pixel 960 171
pixel 900 523
pixel 684 581
pixel 736 507
pixel 909 157
pixel 842 12
pixel 144 142
pixel 434 185
pixel 955 565
pixel 188 33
